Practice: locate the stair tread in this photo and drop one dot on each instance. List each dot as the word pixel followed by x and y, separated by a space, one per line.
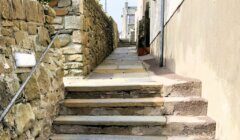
pixel 116 102
pixel 104 137
pixel 132 120
pixel 124 137
pixel 111 120
pixel 78 84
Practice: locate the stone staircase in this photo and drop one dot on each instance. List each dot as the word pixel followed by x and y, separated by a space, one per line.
pixel 133 109
pixel 126 43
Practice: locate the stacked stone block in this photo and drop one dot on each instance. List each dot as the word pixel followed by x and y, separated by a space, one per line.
pixel 69 22
pixel 87 34
pixel 25 26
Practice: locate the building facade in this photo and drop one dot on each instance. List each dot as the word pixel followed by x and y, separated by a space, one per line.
pixel 201 40
pixel 128 20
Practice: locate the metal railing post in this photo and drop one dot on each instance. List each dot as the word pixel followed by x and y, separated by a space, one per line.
pixel 19 92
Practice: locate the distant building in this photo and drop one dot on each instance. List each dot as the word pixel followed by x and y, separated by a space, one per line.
pixel 128 18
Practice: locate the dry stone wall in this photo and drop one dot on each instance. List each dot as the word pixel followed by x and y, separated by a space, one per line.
pixel 87 34
pixel 25 27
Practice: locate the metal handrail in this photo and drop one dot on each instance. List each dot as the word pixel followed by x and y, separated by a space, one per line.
pixel 19 92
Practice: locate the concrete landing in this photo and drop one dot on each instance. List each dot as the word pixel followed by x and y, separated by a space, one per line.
pixel 122 63
pixel 123 67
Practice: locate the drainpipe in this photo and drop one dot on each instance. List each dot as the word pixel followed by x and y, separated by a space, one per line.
pixel 162 12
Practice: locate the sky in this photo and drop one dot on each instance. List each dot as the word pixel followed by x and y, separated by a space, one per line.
pixel 114 9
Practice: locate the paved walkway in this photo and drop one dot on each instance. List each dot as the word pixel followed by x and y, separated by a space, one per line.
pixel 122 63
pixel 124 68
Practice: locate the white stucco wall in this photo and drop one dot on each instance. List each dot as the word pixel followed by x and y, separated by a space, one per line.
pixel 155 27
pixel 155 17
pixel 202 41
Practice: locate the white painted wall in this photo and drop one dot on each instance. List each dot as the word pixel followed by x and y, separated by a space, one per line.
pixel 202 41
pixel 155 16
pixel 170 8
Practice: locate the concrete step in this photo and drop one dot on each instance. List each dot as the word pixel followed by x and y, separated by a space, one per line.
pixel 118 137
pixel 92 85
pixel 112 88
pixel 111 120
pixel 129 88
pixel 135 125
pixel 136 106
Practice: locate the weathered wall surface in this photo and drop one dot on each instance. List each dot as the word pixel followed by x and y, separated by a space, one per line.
pixel 115 34
pixel 24 27
pixel 202 41
pixel 87 34
pixel 69 21
pixel 99 34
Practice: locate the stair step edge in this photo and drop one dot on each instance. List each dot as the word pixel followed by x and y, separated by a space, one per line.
pixel 111 120
pixel 127 102
pixel 124 137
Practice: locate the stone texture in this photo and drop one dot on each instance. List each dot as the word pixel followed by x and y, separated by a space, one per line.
pixel 61 12
pixel 20 36
pixel 77 37
pixel 73 65
pixel 58 20
pixel 58 27
pixel 32 90
pixel 37 128
pixel 34 12
pixel 5 135
pixel 7 23
pixel 73 72
pixel 51 12
pixel 7 32
pixel 72 49
pixel 9 41
pixel 6 9
pixel 32 29
pixel 43 36
pixel 73 22
pixel 64 3
pixel 53 3
pixel 74 58
pixel 76 5
pixel 19 12
pixel 23 28
pixel 62 40
pixel 24 117
pixel 49 19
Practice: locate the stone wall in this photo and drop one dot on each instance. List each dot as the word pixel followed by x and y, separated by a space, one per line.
pixel 25 28
pixel 87 34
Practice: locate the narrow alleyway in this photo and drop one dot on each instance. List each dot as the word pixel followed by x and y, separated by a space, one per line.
pixel 122 63
pixel 123 99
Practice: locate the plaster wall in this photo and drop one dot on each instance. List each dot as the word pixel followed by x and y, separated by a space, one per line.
pixel 202 41
pixel 155 27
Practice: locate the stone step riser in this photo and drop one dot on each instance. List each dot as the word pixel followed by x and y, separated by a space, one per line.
pixel 117 137
pixel 114 94
pixel 195 108
pixel 168 130
pixel 182 90
pixel 177 90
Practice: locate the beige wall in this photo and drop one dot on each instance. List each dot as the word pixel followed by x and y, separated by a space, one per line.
pixel 202 40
